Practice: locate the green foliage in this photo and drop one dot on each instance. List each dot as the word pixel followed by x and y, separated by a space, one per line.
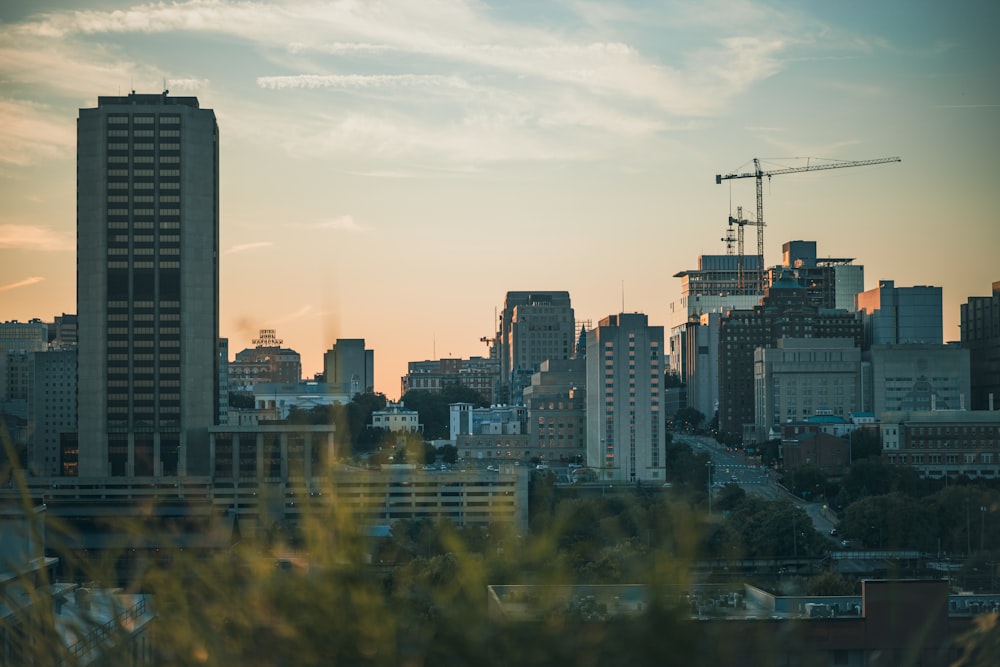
pixel 689 418
pixel 433 407
pixel 831 583
pixel 866 443
pixel 771 529
pixel 807 482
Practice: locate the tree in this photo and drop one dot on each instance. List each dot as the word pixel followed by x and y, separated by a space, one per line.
pixel 689 418
pixel 448 454
pixel 805 481
pixel 433 407
pixel 866 443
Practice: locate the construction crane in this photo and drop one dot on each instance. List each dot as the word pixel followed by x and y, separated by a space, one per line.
pixel 735 237
pixel 759 175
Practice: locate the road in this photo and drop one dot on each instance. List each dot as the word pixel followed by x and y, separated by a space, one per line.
pixel 731 467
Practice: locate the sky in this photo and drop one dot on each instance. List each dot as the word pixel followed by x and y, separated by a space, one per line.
pixel 391 169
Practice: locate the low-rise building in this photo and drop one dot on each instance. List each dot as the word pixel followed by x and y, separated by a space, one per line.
pixel 496 432
pixel 397 417
pixel 477 373
pixel 829 453
pixel 943 442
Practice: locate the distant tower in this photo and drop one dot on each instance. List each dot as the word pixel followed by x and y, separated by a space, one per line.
pixel 349 367
pixel 534 327
pixel 147 285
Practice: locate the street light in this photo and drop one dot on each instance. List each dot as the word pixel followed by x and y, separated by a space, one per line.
pixel 982 525
pixel 708 464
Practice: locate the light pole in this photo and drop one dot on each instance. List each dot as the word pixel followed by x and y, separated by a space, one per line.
pixel 708 464
pixel 982 525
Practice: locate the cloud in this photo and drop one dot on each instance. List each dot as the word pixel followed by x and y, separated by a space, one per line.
pixel 243 247
pixel 37 238
pixel 359 81
pixel 32 132
pixel 190 83
pixel 21 283
pixel 344 223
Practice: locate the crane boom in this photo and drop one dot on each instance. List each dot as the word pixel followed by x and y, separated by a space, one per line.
pixel 759 175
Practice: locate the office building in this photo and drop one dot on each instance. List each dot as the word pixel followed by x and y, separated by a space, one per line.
pixel 901 315
pixel 147 285
pixel 716 286
pixel 981 336
pixel 625 420
pixel 534 327
pixel 557 410
pixel 480 374
pixel 349 368
pixel 786 312
pixel 497 432
pixel 53 410
pixel 830 282
pixel 30 336
pixel 918 377
pixel 801 377
pixel 943 443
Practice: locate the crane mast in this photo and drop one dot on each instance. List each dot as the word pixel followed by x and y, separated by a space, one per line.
pixel 758 174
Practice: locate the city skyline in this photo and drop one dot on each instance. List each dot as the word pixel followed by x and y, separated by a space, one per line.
pixel 390 171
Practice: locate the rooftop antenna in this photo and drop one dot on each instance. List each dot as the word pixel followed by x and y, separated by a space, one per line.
pixel 623 296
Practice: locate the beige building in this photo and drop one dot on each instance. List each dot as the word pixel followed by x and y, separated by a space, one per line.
pixel 534 326
pixel 625 420
pixel 802 377
pixel 397 417
pixel 557 410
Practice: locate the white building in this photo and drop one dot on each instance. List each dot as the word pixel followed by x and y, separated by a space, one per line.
pixel 397 417
pixel 625 420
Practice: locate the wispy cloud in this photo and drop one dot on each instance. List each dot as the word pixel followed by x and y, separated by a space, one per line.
pixel 34 237
pixel 359 81
pixel 344 223
pixel 31 132
pixel 244 247
pixel 21 283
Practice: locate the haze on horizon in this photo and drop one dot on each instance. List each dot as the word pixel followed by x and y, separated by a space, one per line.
pixel 391 169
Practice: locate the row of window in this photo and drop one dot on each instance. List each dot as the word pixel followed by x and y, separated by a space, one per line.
pixel 143 119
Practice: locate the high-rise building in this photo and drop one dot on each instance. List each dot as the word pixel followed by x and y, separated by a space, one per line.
pixel 534 327
pixel 716 286
pixel 349 367
pixel 831 282
pixel 981 336
pixel 786 312
pixel 147 285
pixel 625 420
pixel 901 315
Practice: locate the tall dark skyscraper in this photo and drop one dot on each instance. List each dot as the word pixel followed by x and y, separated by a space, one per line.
pixel 147 285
